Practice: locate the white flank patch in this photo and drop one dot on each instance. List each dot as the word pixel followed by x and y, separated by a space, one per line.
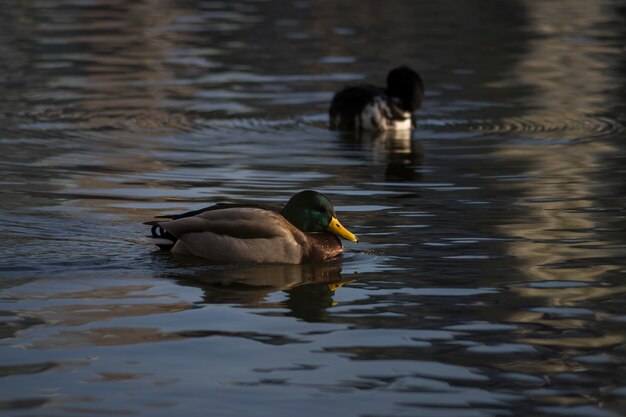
pixel 377 116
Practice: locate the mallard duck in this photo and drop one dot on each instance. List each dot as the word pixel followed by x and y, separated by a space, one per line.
pixel 305 230
pixel 368 107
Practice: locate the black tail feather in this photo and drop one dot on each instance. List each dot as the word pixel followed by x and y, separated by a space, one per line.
pixel 160 233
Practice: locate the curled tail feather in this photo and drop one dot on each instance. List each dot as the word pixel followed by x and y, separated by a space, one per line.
pixel 164 239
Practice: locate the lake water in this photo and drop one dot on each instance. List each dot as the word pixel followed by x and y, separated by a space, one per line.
pixel 490 275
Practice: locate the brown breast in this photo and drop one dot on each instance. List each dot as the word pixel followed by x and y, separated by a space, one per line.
pixel 321 246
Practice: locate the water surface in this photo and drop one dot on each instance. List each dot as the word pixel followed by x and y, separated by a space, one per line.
pixel 489 279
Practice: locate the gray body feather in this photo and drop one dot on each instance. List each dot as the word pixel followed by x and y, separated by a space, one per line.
pixel 240 235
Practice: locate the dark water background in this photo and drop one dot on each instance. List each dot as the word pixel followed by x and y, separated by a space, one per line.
pixel 489 280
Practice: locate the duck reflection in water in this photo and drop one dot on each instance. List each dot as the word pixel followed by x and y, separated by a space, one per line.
pixel 397 150
pixel 310 287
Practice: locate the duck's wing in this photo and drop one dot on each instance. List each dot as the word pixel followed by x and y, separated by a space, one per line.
pixel 347 104
pixel 218 206
pixel 238 234
pixel 165 240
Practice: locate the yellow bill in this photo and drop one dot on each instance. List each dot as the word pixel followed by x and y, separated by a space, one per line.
pixel 336 228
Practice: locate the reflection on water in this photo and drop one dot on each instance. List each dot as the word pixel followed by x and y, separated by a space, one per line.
pixel 489 276
pixel 309 288
pixel 395 150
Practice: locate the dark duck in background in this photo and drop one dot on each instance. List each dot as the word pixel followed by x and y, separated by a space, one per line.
pixel 368 107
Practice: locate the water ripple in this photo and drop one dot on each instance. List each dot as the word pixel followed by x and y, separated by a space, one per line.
pixel 568 126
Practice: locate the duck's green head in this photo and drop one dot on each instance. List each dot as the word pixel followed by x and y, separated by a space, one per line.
pixel 311 211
